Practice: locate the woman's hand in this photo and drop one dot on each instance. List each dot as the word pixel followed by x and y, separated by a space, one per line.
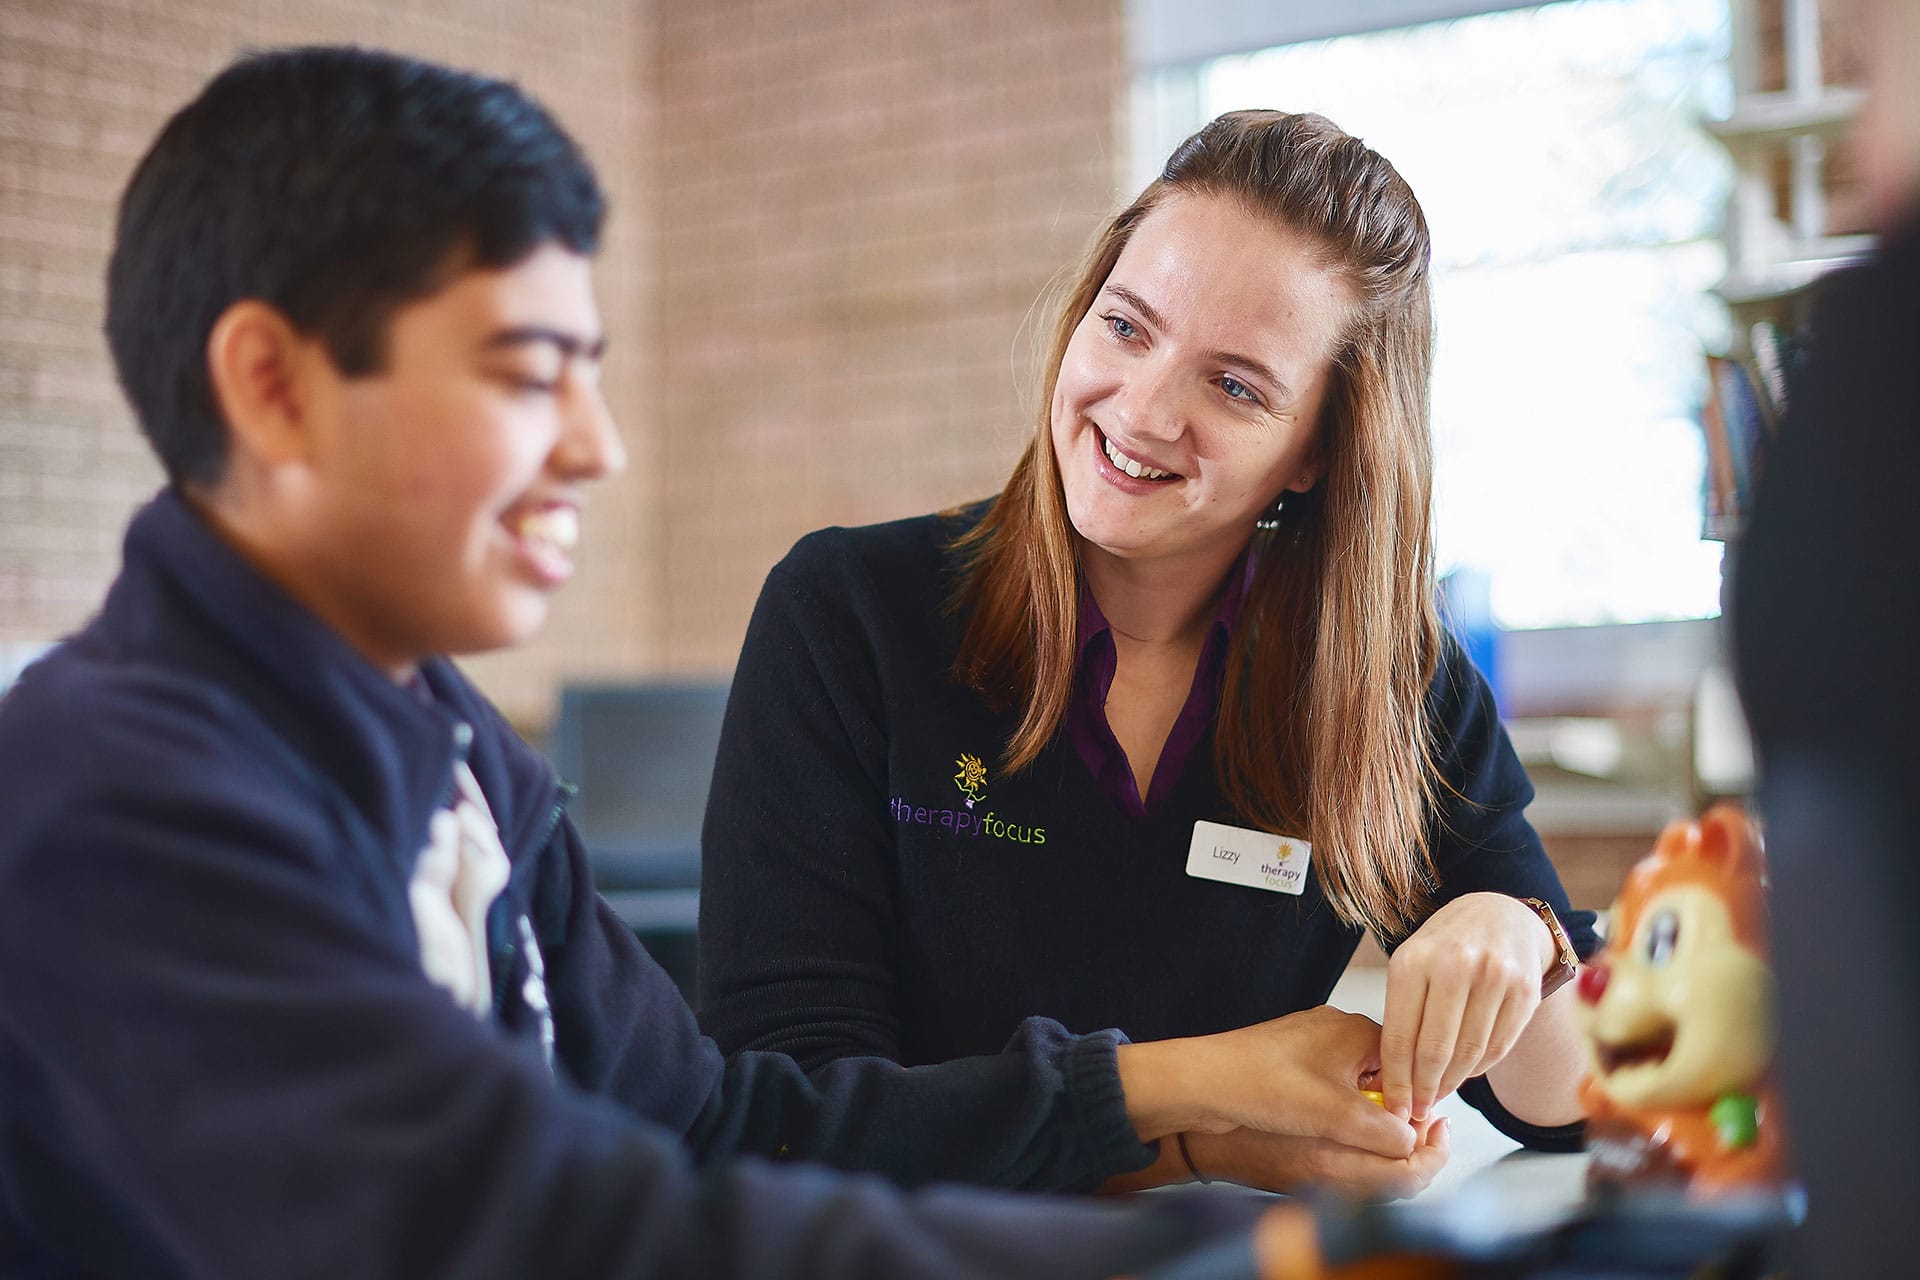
pixel 1460 991
pixel 1275 1162
pixel 1297 1076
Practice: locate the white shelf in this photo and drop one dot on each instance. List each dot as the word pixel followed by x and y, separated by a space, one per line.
pixel 1781 279
pixel 1779 117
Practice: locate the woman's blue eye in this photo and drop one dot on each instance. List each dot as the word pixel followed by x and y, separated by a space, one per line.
pixel 1121 326
pixel 1238 389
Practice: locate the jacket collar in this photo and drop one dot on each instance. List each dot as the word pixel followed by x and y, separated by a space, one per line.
pixel 389 751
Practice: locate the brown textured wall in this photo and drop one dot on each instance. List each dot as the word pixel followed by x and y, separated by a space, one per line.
pixel 859 203
pixel 84 86
pixel 830 217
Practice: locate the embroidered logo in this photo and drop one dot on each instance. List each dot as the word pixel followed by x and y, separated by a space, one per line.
pixel 972 778
pixel 969 821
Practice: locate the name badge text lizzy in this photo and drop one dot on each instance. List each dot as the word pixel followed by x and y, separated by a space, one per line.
pixel 1235 855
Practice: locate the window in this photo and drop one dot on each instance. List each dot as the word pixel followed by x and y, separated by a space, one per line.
pixel 1576 205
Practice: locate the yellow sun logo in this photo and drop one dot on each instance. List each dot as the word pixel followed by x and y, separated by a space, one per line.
pixel 972 778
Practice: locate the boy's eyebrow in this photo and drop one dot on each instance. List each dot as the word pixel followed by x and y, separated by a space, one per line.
pixel 1257 368
pixel 569 344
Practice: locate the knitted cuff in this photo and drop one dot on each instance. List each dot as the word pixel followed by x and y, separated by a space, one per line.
pixel 1092 1074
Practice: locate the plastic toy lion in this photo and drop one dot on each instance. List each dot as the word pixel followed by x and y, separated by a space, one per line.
pixel 1679 1017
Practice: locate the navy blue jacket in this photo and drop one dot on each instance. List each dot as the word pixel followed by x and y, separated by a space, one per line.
pixel 219 1055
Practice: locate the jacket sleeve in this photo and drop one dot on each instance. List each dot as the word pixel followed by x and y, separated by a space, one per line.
pixel 1047 1113
pixel 219 1058
pixel 1482 842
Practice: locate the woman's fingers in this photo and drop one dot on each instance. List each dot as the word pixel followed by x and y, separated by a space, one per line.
pixel 1292 1163
pixel 1432 1155
pixel 1363 1175
pixel 1515 1014
pixel 1475 1038
pixel 1446 1004
pixel 1351 1119
pixel 1399 1033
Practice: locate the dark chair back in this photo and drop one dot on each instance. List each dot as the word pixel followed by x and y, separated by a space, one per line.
pixel 642 757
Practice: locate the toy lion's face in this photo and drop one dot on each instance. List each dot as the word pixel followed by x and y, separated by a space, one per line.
pixel 1684 1012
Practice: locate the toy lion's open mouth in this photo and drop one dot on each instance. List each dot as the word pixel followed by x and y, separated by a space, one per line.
pixel 1651 1049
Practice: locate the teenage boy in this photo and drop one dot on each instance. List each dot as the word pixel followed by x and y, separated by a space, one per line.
pixel 300 969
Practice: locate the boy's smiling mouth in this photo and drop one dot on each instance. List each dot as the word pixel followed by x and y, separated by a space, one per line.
pixel 544 534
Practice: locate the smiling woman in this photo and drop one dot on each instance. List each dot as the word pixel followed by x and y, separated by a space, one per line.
pixel 1194 641
pixel 1186 361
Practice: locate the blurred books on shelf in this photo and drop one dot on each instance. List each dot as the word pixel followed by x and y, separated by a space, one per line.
pixel 1746 397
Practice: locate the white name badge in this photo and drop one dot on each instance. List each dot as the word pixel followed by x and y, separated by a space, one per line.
pixel 1235 855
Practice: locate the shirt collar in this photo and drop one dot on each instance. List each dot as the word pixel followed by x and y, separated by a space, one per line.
pixel 1233 601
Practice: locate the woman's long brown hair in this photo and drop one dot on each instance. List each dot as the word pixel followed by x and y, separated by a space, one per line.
pixel 1323 729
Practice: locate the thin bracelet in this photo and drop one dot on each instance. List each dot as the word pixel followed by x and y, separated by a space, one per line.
pixel 1187 1155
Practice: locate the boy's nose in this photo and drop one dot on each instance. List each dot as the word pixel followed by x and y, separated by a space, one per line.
pixel 589 446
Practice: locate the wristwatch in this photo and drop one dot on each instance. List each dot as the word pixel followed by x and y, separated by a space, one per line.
pixel 1566 961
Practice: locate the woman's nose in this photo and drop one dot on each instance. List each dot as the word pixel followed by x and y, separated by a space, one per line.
pixel 1148 406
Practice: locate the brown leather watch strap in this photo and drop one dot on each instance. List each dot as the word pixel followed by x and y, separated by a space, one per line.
pixel 1566 961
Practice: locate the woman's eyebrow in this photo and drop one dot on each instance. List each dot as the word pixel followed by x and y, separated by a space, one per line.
pixel 1138 303
pixel 1254 367
pixel 1258 368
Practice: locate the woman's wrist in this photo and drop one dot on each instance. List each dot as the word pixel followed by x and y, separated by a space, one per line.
pixel 1563 962
pixel 1161 1082
pixel 1167 1170
pixel 1186 1157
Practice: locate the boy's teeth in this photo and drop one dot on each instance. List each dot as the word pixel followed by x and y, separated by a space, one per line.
pixel 1131 466
pixel 557 526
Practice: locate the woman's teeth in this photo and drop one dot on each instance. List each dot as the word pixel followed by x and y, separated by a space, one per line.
pixel 1133 467
pixel 557 527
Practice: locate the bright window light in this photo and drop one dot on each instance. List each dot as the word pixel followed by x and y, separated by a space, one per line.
pixel 1575 204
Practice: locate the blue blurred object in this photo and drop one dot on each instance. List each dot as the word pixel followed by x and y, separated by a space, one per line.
pixel 1641 1235
pixel 1466 607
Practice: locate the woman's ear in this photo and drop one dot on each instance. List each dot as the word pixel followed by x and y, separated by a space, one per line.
pixel 257 363
pixel 1309 473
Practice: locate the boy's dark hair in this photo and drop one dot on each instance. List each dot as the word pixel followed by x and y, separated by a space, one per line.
pixel 335 184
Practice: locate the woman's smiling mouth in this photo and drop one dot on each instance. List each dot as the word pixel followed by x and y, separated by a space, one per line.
pixel 1129 465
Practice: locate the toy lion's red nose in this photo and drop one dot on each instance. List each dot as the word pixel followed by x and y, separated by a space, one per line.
pixel 1593 983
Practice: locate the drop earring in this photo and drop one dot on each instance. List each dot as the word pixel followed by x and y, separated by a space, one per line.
pixel 1270 520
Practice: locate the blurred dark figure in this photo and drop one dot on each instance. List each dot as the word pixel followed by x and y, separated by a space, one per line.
pixel 1826 612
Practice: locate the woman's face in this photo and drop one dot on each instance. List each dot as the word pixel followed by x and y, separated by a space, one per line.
pixel 1190 394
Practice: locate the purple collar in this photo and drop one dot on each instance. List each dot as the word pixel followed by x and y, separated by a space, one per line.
pixel 1095 660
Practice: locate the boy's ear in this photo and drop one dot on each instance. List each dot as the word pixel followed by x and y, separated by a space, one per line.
pixel 258 364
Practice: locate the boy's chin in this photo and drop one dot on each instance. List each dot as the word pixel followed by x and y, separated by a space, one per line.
pixel 518 622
